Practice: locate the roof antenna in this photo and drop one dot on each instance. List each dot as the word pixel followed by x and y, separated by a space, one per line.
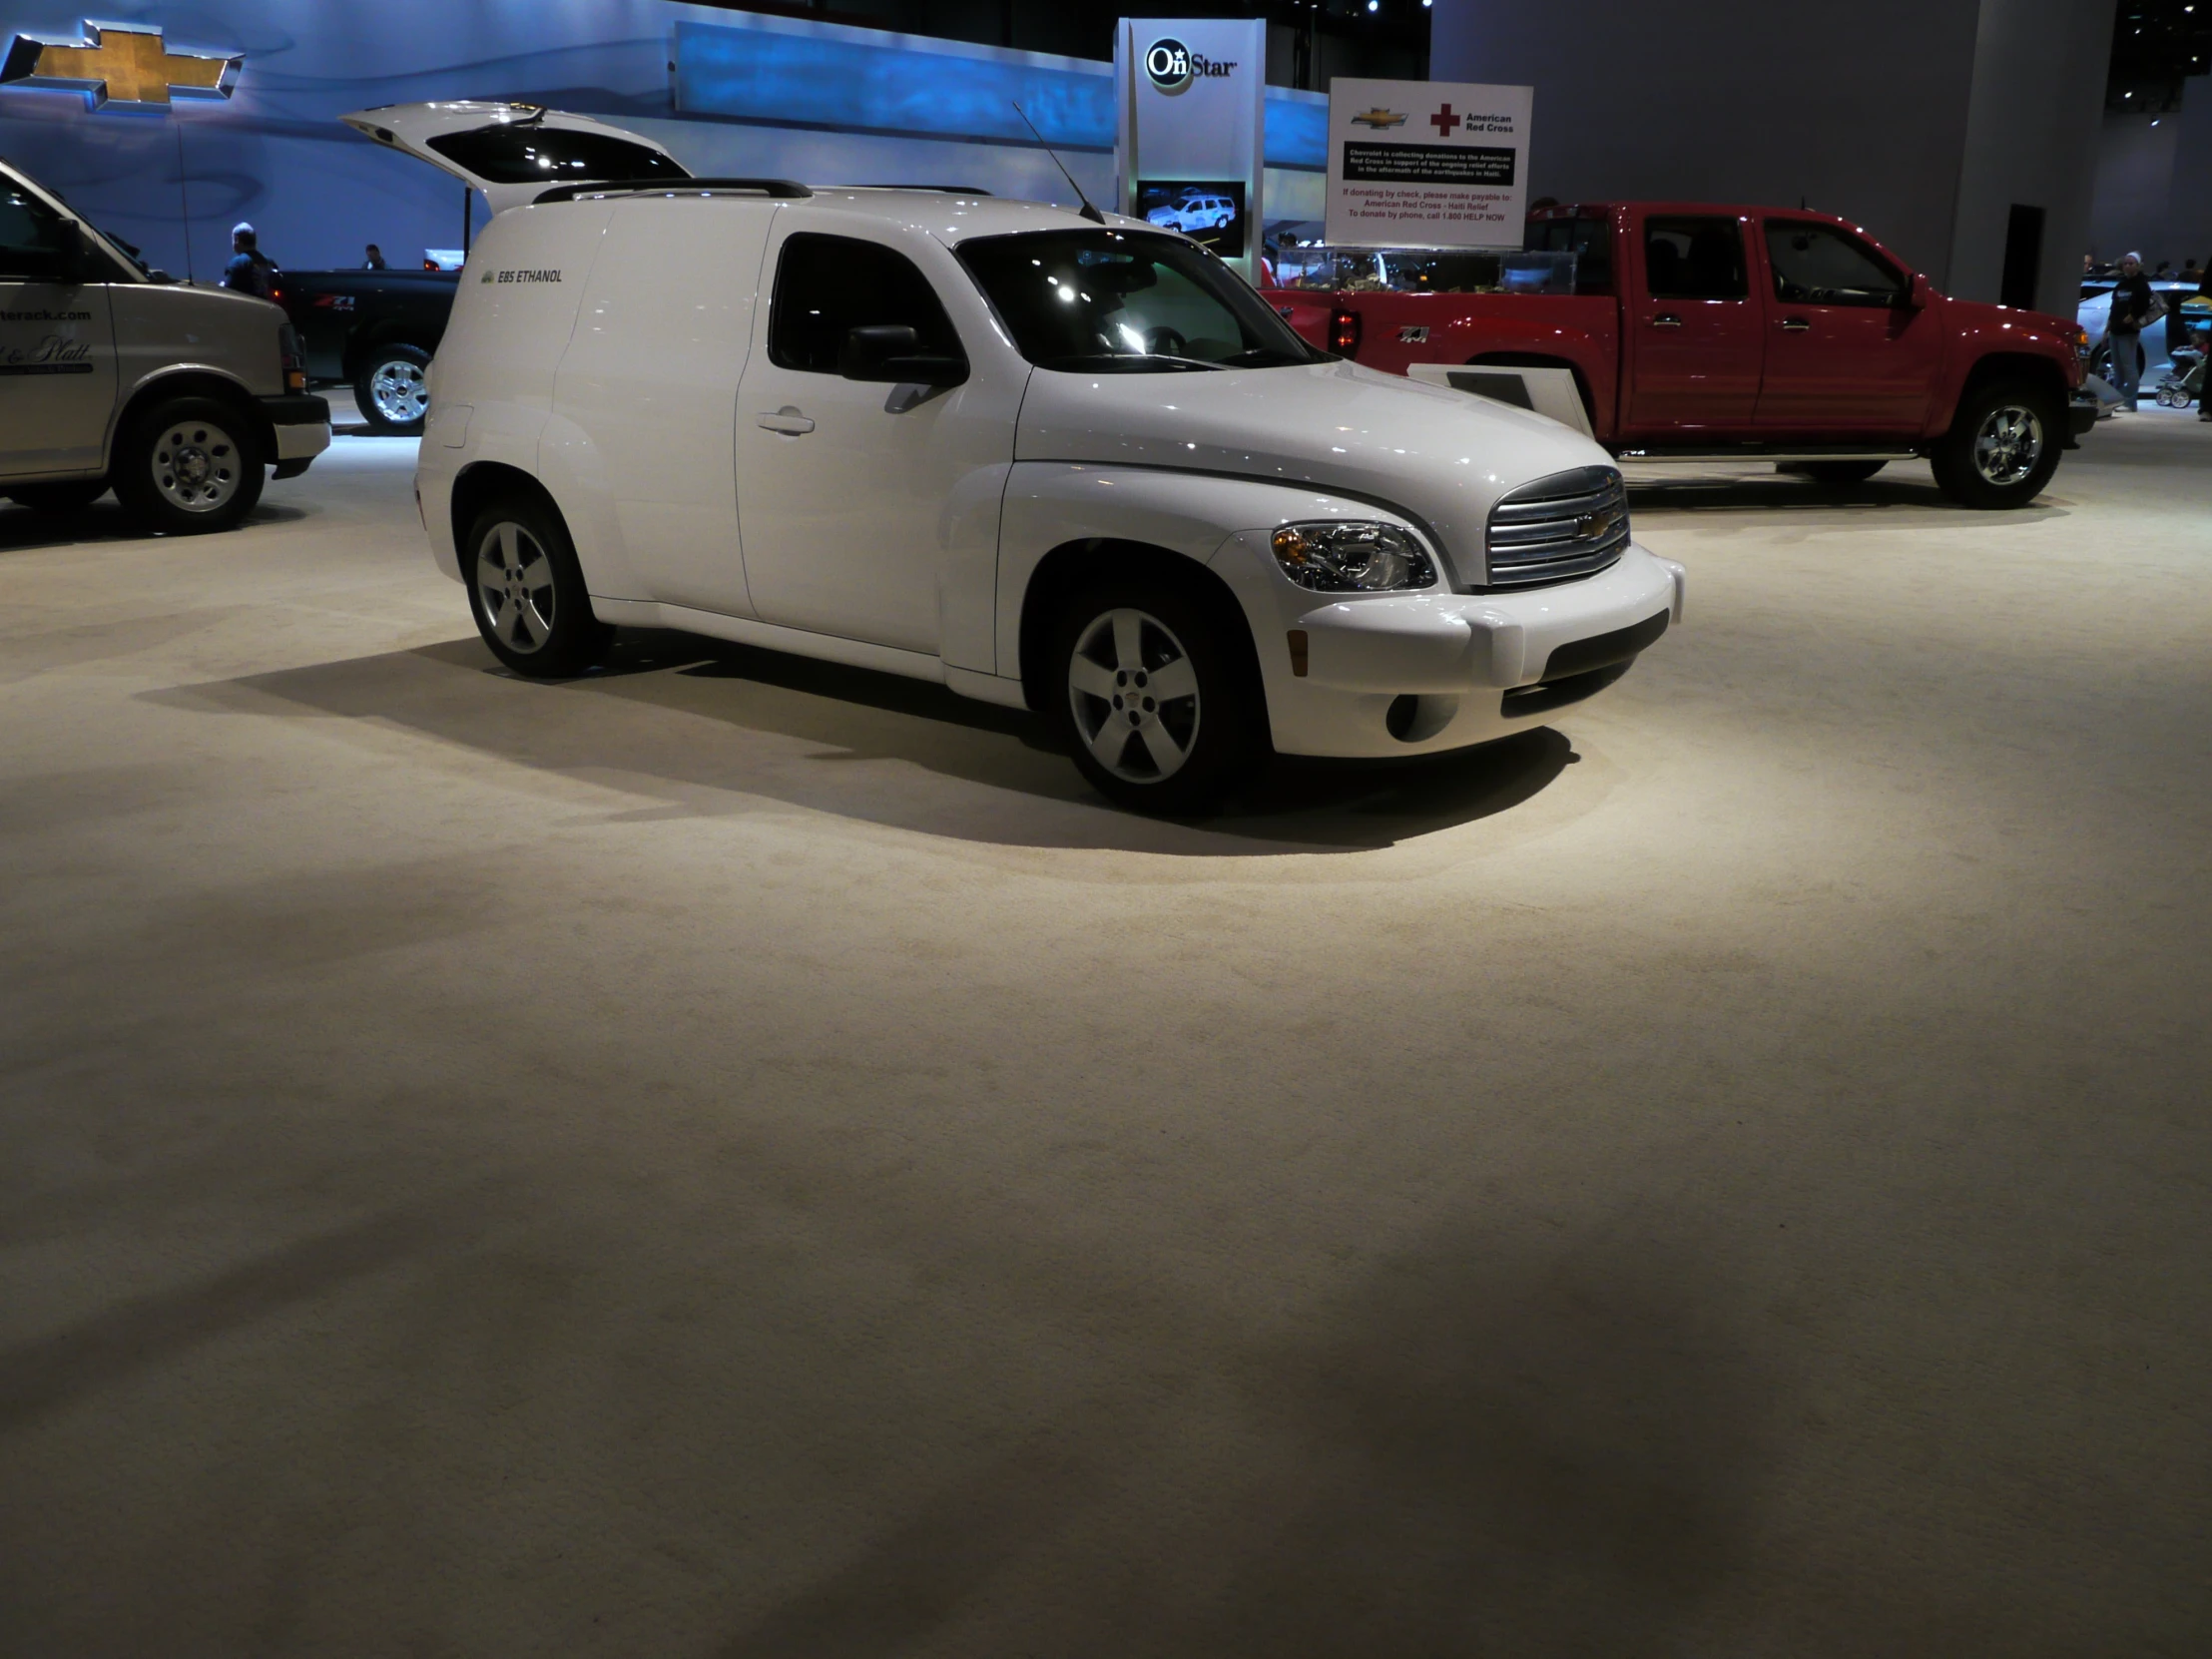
pixel 1088 212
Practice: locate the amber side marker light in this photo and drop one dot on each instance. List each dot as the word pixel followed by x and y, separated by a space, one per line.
pixel 1297 653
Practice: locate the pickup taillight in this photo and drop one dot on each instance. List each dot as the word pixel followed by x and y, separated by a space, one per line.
pixel 294 364
pixel 1344 332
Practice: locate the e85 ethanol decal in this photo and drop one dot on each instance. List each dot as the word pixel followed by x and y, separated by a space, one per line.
pixel 521 276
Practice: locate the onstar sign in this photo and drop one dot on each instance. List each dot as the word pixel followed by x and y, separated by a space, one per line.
pixel 1427 164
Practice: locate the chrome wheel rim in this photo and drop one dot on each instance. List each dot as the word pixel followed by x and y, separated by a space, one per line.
pixel 2008 444
pixel 514 584
pixel 1134 695
pixel 400 391
pixel 196 465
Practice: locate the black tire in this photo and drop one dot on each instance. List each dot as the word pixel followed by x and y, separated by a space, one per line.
pixel 526 591
pixel 73 497
pixel 392 391
pixel 1181 752
pixel 2002 446
pixel 1835 474
pixel 190 465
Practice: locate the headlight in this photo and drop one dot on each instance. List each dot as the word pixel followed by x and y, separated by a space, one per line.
pixel 1352 556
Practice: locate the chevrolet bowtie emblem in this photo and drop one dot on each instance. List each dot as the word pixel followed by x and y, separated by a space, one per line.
pixel 1598 525
pixel 119 63
pixel 1378 117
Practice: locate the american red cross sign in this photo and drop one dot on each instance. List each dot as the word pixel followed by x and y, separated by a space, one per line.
pixel 1443 121
pixel 119 63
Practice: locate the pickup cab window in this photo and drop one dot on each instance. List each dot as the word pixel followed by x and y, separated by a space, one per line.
pixel 825 287
pixel 1818 264
pixel 1125 302
pixel 1590 239
pixel 1694 258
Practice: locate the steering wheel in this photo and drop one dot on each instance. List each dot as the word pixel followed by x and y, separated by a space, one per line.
pixel 1166 342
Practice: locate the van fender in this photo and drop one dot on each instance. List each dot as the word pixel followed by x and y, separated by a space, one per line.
pixel 1060 514
pixel 573 469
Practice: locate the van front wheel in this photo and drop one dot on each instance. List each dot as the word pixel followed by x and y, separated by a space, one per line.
pixel 1151 697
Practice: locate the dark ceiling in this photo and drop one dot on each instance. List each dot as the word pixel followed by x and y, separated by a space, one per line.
pixel 2156 46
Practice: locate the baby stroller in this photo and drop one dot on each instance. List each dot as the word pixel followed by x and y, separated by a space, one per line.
pixel 2184 382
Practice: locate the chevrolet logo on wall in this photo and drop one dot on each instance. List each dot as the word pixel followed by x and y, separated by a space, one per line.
pixel 1378 117
pixel 120 63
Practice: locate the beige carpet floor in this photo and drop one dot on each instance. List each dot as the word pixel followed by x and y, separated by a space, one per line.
pixel 740 1158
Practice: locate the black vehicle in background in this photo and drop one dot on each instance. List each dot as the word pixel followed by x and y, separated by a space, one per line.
pixel 375 330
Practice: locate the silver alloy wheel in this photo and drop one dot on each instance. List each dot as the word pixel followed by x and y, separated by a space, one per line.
pixel 400 391
pixel 514 583
pixel 1134 695
pixel 196 465
pixel 2009 444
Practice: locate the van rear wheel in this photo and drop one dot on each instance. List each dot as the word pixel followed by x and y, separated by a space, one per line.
pixel 1152 696
pixel 526 592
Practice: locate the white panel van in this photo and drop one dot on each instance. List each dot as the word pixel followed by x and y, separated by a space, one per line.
pixel 1073 467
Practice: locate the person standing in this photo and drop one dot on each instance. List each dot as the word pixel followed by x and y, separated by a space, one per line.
pixel 2132 303
pixel 250 269
pixel 374 259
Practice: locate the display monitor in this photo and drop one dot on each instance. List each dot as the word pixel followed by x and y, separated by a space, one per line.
pixel 1210 211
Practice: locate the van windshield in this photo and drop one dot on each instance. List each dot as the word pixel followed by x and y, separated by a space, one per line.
pixel 1124 301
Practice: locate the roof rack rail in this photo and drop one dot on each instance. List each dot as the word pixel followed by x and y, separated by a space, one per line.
pixel 782 190
pixel 936 190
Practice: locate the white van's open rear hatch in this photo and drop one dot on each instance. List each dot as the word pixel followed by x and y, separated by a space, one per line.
pixel 515 152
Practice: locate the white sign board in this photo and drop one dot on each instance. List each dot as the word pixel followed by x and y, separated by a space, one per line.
pixel 1191 140
pixel 1427 164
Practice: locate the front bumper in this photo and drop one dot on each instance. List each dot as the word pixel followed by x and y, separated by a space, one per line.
pixel 301 422
pixel 1411 673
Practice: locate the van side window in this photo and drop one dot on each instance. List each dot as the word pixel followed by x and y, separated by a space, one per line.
pixel 1817 264
pixel 1694 258
pixel 33 245
pixel 827 287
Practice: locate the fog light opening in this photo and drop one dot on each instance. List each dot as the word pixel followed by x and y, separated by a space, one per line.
pixel 1411 719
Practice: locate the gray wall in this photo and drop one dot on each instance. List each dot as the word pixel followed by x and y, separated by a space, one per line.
pixel 2154 183
pixel 2031 136
pixel 1862 112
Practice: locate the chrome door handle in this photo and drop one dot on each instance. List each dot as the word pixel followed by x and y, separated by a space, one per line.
pixel 1666 319
pixel 1796 325
pixel 787 420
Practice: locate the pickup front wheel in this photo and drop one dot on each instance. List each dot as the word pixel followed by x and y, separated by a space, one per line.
pixel 1151 697
pixel 2002 446
pixel 393 390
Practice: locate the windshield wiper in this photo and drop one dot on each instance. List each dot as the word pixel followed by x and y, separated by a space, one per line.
pixel 1125 360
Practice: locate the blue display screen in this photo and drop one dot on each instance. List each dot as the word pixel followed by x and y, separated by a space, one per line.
pixel 856 85
pixel 757 75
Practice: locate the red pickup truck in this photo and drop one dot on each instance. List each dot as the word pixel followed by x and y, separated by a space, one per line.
pixel 1697 332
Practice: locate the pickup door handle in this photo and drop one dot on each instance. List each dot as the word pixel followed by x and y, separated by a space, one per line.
pixel 1666 319
pixel 787 420
pixel 1796 325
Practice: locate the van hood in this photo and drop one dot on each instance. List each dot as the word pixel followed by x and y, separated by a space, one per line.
pixel 1439 458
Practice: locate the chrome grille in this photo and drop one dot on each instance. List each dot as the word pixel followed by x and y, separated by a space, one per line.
pixel 1567 525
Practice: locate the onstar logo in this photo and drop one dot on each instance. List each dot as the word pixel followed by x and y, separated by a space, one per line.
pixel 1171 66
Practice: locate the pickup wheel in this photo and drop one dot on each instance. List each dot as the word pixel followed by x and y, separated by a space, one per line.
pixel 59 498
pixel 1152 696
pixel 393 390
pixel 2002 446
pixel 526 592
pixel 188 465
pixel 1836 474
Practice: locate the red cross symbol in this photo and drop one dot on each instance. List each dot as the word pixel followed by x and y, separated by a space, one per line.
pixel 1443 121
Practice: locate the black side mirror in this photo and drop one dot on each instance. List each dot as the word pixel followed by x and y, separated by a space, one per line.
pixel 887 352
